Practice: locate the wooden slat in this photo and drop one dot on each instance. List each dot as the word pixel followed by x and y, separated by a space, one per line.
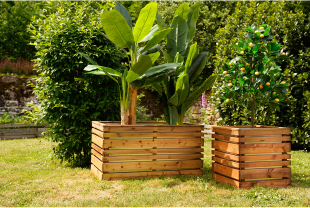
pixel 225 180
pixel 97 140
pixel 20 125
pixel 151 134
pixel 158 165
pixel 96 162
pixel 277 183
pixel 97 126
pixel 265 139
pixel 19 136
pixel 265 173
pixel 97 148
pixel 18 130
pixel 225 146
pixel 147 143
pixel 225 170
pixel 226 138
pixel 226 162
pixel 149 151
pixel 225 155
pixel 264 157
pixel 96 172
pixel 97 132
pixel 162 128
pixel 112 176
pixel 152 157
pixel 97 154
pixel 264 164
pixel 237 131
pixel 264 148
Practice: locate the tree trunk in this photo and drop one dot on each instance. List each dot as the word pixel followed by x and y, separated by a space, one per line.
pixel 132 105
pixel 252 111
pixel 124 116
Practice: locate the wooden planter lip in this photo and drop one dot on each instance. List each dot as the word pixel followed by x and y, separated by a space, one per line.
pixel 247 130
pixel 160 123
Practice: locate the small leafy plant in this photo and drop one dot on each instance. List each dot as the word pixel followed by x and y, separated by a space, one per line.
pixel 253 78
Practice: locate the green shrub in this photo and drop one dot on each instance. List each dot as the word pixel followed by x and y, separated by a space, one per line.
pixel 290 23
pixel 7 118
pixel 70 100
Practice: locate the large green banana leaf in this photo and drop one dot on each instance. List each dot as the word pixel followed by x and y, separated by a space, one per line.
pixel 161 24
pixel 144 63
pixel 154 56
pixel 151 34
pixel 190 100
pixel 123 11
pixel 145 21
pixel 182 87
pixel 168 57
pixel 192 19
pixel 112 72
pixel 155 49
pixel 158 36
pixel 182 11
pixel 117 29
pixel 197 66
pixel 176 39
pixel 191 55
pixel 174 100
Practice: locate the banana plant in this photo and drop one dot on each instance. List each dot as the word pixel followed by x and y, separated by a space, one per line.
pixel 118 29
pixel 176 83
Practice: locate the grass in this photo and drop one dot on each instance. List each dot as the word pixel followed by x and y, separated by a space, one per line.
pixel 29 177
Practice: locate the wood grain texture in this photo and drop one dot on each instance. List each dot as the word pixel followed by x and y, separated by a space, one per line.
pixel 154 157
pixel 264 148
pixel 265 173
pixel 152 134
pixel 225 146
pixel 148 151
pixel 225 170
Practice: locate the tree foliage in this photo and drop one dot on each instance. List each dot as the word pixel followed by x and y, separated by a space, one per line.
pixel 290 23
pixel 70 99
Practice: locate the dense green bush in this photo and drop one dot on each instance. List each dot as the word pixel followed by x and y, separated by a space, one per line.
pixel 14 37
pixel 70 99
pixel 290 23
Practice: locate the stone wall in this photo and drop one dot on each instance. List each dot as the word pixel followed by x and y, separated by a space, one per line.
pixel 15 92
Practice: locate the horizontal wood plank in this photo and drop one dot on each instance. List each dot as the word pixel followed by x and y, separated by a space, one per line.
pixel 275 183
pixel 226 155
pixel 148 151
pixel 226 162
pixel 147 143
pixel 151 134
pixel 154 165
pixel 97 154
pixel 265 173
pixel 264 148
pixel 225 146
pixel 97 148
pixel 264 157
pixel 264 164
pixel 97 140
pixel 225 170
pixel 112 176
pixel 241 131
pixel 225 180
pixel 24 136
pixel 21 125
pixel 96 172
pixel 153 157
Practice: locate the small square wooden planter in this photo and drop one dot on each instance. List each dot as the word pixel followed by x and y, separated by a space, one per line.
pixel 245 157
pixel 145 150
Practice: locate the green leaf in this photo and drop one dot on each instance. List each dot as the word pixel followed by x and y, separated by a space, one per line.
pixel 102 68
pixel 155 49
pixel 194 95
pixel 154 56
pixel 117 29
pixel 123 11
pixel 250 30
pixel 151 34
pixel 197 66
pixel 192 19
pixel 173 114
pixel 161 24
pixel 88 58
pixel 145 21
pixel 176 39
pixel 241 81
pixel 156 39
pixel 190 57
pixel 102 73
pixel 158 88
pixel 182 11
pixel 144 63
pixel 174 99
pixel 178 58
pixel 267 30
pixel 168 57
pixel 182 88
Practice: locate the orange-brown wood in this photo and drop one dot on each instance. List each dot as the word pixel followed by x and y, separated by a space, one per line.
pixel 97 148
pixel 265 173
pixel 149 134
pixel 264 157
pixel 264 148
pixel 225 170
pixel 226 155
pixel 97 140
pixel 146 151
pixel 154 157
pixel 97 154
pixel 226 146
pixel 226 162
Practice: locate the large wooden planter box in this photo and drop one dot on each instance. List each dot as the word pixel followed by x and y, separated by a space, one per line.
pixel 245 157
pixel 145 150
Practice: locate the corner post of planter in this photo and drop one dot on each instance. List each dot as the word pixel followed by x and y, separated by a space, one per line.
pixel 240 155
pixel 154 139
pixel 132 105
pixel 284 153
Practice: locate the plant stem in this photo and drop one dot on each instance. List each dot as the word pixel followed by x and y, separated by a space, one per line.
pixel 180 120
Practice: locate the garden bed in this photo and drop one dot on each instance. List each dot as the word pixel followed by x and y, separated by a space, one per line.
pixel 146 149
pixel 246 156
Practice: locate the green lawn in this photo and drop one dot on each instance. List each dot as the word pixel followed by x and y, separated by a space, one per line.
pixel 28 177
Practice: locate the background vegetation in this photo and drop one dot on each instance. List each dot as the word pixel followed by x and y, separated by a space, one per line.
pixel 70 99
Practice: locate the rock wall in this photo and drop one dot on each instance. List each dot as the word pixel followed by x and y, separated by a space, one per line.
pixel 15 92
